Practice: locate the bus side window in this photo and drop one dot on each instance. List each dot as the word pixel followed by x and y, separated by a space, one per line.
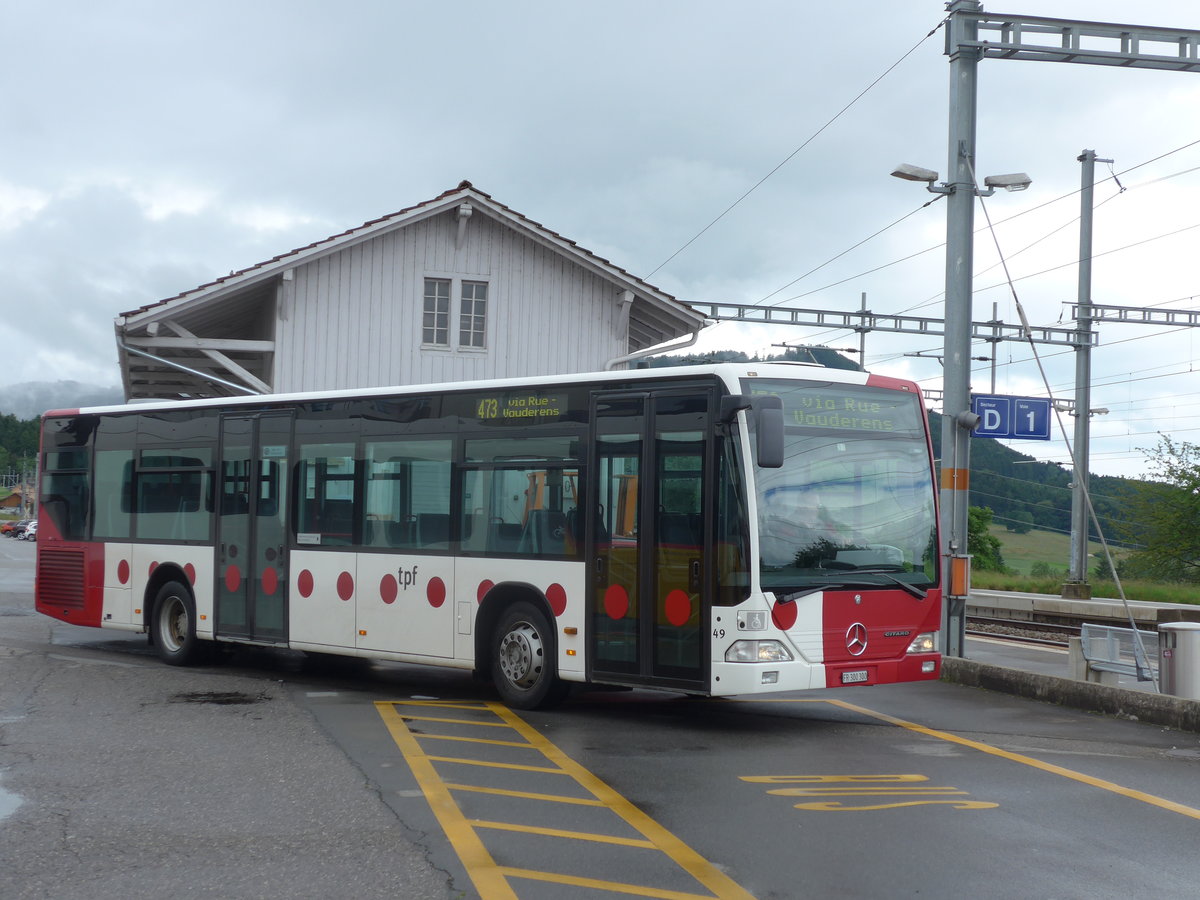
pixel 407 498
pixel 325 498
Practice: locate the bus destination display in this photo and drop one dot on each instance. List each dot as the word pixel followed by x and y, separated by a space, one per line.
pixel 520 406
pixel 844 408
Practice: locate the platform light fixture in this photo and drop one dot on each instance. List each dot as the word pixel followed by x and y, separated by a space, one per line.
pixel 914 173
pixel 1016 181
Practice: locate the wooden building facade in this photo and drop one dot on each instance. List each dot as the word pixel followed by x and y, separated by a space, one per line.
pixel 460 287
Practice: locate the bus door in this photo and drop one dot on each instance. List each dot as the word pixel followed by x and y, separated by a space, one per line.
pixel 251 547
pixel 649 554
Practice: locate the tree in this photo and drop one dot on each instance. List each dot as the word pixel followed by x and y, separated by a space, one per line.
pixel 983 546
pixel 1020 522
pixel 1166 513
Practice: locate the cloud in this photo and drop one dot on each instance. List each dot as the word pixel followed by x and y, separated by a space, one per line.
pixel 154 147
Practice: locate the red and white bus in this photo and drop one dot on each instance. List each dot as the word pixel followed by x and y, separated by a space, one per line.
pixel 716 529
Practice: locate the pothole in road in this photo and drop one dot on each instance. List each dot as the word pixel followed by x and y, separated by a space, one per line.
pixel 220 698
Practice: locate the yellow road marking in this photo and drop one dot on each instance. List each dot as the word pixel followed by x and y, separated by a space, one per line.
pixel 407 718
pixel 616 887
pixel 492 880
pixel 525 795
pixel 1160 802
pixel 559 832
pixel 547 770
pixel 684 856
pixel 470 740
pixel 485 874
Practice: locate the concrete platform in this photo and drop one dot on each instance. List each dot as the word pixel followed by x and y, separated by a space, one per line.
pixel 1044 674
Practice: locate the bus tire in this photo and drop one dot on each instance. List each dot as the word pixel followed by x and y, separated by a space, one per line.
pixel 174 626
pixel 523 669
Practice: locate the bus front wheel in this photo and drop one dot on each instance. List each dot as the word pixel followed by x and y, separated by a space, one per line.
pixel 523 669
pixel 174 625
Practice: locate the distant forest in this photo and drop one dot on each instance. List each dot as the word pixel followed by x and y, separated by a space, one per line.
pixel 1022 492
pixel 18 441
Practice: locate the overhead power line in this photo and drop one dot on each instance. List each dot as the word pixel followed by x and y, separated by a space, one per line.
pixel 808 141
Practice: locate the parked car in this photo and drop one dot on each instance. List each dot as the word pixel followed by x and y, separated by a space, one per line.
pixel 13 529
pixel 30 532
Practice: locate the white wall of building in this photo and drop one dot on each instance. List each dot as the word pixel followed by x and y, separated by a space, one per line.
pixel 354 318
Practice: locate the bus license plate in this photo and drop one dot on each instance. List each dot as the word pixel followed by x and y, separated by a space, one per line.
pixel 856 677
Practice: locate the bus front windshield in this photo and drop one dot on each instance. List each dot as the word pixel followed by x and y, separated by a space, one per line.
pixel 854 501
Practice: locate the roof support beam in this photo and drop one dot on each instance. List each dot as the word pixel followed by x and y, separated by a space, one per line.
pixel 189 341
pixel 235 369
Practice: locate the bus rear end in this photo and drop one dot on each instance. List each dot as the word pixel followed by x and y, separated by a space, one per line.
pixel 69 584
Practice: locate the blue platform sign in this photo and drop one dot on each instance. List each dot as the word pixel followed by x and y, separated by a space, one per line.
pixel 1012 418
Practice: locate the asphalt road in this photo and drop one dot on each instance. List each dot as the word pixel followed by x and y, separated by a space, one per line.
pixel 121 777
pixel 262 777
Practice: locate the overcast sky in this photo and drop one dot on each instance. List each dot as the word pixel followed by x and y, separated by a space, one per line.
pixel 149 147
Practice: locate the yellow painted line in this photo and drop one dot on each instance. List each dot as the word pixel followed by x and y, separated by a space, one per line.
pixel 615 887
pixel 486 876
pixel 1152 800
pixel 470 740
pixel 490 879
pixel 559 832
pixel 546 770
pixel 865 792
pixel 408 718
pixel 523 795
pixel 683 855
pixel 479 705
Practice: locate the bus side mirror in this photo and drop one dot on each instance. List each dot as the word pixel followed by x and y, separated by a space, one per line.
pixel 732 404
pixel 769 431
pixel 768 424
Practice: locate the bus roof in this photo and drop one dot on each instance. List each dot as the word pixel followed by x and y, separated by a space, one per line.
pixel 729 373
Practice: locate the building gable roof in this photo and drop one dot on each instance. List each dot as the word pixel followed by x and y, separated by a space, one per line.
pixel 211 340
pixel 464 192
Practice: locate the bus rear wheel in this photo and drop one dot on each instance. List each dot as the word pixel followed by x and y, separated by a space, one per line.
pixel 523 670
pixel 173 625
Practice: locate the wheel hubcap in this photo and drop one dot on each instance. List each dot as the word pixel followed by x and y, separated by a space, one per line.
pixel 521 655
pixel 174 623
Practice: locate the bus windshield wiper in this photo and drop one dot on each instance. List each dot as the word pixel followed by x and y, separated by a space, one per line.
pixel 882 573
pixel 804 592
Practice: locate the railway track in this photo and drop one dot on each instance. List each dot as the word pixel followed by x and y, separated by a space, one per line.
pixel 1021 631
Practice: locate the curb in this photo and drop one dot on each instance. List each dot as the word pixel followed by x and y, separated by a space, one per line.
pixel 1156 709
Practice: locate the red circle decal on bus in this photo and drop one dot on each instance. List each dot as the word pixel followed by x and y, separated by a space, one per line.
pixel 616 601
pixel 484 587
pixel 233 578
pixel 270 581
pixel 304 583
pixel 153 566
pixel 435 592
pixel 784 615
pixel 557 596
pixel 388 588
pixel 345 586
pixel 123 571
pixel 190 571
pixel 678 607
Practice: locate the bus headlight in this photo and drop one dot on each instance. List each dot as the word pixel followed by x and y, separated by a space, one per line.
pixel 924 643
pixel 757 651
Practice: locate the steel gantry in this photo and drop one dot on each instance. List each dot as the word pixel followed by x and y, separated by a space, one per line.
pixel 865 320
pixel 973 35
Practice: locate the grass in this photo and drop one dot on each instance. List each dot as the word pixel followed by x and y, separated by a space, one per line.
pixel 1022 551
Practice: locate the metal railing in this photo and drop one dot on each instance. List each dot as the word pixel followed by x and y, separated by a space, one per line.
pixel 1120 650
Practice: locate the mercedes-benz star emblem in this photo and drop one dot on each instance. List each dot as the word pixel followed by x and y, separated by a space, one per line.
pixel 856 639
